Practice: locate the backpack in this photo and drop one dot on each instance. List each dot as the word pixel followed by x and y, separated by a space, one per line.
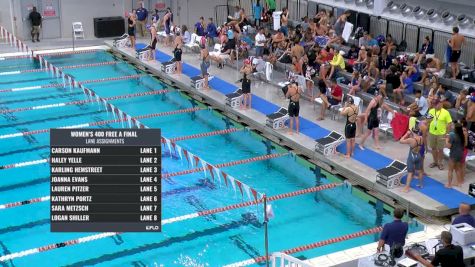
pixel 402 46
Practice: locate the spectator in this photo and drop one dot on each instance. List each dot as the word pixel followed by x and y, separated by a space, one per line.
pixel 414 160
pixel 406 88
pixel 305 23
pixel 433 67
pixel 389 46
pixel 440 120
pixel 471 111
pixel 461 103
pixel 36 22
pixel 394 233
pixel 242 20
pixel 427 47
pixel 464 215
pixel 297 50
pixel 293 93
pixel 334 98
pixel 224 54
pixel 353 53
pixel 257 11
pixel 186 34
pixel 355 84
pixel 420 106
pixel 284 20
pixel 384 62
pixel 270 7
pixel 340 23
pixel 446 96
pixel 413 70
pixel 297 67
pixel 141 23
pixel 337 64
pixel 456 143
pixel 260 42
pixel 350 110
pixel 393 81
pixel 200 27
pixel 448 256
pixel 455 43
pixel 371 80
pixel 211 32
pixel 320 29
pixel 360 63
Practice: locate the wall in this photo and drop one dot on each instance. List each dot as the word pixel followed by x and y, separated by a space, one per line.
pixel 5 17
pixel 188 12
pixel 85 10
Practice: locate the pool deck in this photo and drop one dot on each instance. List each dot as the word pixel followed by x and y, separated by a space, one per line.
pixel 301 144
pixel 357 172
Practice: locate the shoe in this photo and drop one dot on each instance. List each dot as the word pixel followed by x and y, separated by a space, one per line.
pixel 38 40
pixel 33 40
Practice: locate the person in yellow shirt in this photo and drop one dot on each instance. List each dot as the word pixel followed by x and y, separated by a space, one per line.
pixel 337 62
pixel 440 123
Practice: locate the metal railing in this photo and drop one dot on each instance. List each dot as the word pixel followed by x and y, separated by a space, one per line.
pixel 281 259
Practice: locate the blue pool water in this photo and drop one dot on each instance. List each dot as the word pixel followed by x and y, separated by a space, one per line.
pixel 213 240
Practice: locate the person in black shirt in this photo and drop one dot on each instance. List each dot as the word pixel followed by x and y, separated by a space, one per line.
pixel 393 81
pixel 35 18
pixel 449 256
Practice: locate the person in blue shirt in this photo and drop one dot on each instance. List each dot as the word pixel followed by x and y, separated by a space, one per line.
pixel 141 22
pixel 464 215
pixel 211 32
pixel 394 232
pixel 200 27
pixel 406 87
pixel 257 12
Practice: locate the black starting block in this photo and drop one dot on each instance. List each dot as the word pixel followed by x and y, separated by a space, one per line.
pixel 144 53
pixel 471 190
pixel 122 41
pixel 277 119
pixel 390 176
pixel 169 67
pixel 234 100
pixel 327 145
pixel 198 82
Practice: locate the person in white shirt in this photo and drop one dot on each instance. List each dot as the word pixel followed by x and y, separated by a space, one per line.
pixel 260 42
pixel 419 107
pixel 186 34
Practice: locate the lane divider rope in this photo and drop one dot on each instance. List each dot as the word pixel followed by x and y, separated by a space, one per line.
pixel 81 102
pixel 98 123
pixel 90 238
pixel 213 133
pixel 56 54
pixel 90 65
pixel 312 246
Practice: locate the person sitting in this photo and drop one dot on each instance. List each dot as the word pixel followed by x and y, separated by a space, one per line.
pixel 406 87
pixel 394 233
pixel 448 256
pixel 420 106
pixel 413 70
pixel 355 83
pixel 446 97
pixel 389 46
pixel 464 215
pixel 384 62
pixel 332 100
pixel 370 81
pixel 360 62
pixel 353 53
pixel 277 39
pixel 392 81
pixel 337 63
pixel 211 32
pixel 186 34
pixel 223 55
pixel 433 67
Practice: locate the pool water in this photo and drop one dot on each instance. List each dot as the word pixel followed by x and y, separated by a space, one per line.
pixel 213 240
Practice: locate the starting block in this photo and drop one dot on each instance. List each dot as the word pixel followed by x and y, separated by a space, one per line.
pixel 277 119
pixel 144 53
pixel 328 144
pixel 390 176
pixel 198 82
pixel 234 100
pixel 122 41
pixel 169 67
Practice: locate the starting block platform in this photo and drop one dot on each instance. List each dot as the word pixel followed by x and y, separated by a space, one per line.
pixel 234 100
pixel 122 41
pixel 327 145
pixel 144 53
pixel 198 82
pixel 169 67
pixel 277 119
pixel 390 176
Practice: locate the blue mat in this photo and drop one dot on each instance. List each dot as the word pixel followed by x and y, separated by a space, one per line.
pixel 432 188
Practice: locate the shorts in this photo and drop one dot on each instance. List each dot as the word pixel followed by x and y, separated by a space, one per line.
pixel 436 141
pixel 177 54
pixel 294 108
pixel 455 56
pixel 350 130
pixel 414 162
pixel 373 123
pixel 333 101
pixel 36 30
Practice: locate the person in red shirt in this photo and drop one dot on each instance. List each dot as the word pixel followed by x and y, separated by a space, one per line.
pixel 332 100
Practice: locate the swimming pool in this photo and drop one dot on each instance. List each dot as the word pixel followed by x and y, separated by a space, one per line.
pixel 212 240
